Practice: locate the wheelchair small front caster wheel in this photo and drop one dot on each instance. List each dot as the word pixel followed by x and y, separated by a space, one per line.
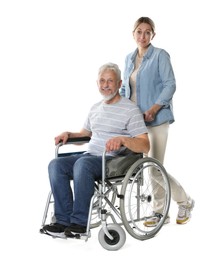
pixel 118 234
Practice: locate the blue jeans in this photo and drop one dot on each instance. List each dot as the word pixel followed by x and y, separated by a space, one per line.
pixel 84 170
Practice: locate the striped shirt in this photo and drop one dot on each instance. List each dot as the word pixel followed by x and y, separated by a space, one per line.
pixel 110 120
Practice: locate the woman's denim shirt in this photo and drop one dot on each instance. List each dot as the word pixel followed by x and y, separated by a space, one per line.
pixel 155 83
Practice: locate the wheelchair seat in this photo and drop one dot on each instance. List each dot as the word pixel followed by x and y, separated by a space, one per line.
pixel 118 166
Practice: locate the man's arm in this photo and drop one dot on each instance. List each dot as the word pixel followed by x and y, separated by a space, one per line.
pixel 138 144
pixel 66 135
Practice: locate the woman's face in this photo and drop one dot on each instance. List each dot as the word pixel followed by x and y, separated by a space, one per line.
pixel 143 35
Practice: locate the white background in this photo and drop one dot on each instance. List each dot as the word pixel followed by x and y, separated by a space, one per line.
pixel 50 52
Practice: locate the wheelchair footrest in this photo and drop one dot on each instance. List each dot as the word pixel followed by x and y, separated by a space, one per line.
pixel 83 236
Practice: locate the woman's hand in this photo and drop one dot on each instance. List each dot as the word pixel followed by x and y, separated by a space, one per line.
pixel 150 114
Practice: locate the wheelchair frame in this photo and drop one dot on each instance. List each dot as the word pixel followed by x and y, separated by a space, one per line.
pixel 137 188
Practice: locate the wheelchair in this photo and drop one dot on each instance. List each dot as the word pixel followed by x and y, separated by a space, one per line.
pixel 123 199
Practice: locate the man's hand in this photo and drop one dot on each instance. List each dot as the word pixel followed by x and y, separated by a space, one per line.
pixel 114 144
pixel 138 144
pixel 62 137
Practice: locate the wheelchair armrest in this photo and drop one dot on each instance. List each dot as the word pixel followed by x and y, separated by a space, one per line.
pixel 81 140
pixel 75 140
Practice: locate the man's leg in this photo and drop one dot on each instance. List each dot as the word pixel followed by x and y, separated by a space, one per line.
pixel 60 174
pixel 86 171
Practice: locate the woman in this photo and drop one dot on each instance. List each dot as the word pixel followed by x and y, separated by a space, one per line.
pixel 149 81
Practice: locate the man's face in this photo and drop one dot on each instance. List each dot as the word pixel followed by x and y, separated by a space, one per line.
pixel 108 84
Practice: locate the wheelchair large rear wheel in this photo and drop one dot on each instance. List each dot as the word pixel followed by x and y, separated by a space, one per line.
pixel 140 196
